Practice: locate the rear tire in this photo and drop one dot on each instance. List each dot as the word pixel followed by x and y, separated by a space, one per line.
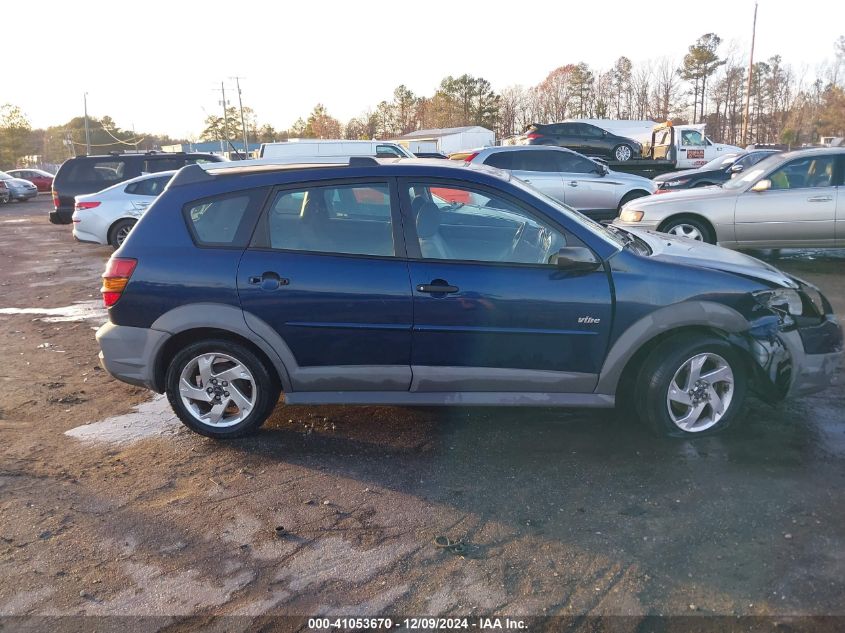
pixel 221 389
pixel 689 227
pixel 623 152
pixel 691 385
pixel 120 231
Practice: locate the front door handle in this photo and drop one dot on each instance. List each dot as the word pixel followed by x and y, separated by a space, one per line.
pixel 573 183
pixel 268 280
pixel 820 199
pixel 437 287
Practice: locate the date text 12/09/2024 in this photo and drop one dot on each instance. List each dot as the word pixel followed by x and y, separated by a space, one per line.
pixel 418 623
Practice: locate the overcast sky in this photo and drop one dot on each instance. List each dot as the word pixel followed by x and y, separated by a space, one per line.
pixel 156 66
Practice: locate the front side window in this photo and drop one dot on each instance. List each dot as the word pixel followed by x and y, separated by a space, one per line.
pixel 804 173
pixel 347 219
pixel 388 151
pixel 692 138
pixel 485 228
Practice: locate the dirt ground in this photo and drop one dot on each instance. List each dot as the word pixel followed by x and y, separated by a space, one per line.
pixel 107 506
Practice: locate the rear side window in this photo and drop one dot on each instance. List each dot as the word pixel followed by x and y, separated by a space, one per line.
pixel 502 160
pixel 225 220
pixel 148 186
pixel 349 219
pixel 95 171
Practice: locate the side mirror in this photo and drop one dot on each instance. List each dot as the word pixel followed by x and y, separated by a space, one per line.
pixel 762 185
pixel 735 169
pixel 575 259
pixel 602 169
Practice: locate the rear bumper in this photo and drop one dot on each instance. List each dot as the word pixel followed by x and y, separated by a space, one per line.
pixel 61 216
pixel 23 195
pixel 129 353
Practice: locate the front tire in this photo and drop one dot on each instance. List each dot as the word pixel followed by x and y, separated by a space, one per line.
pixel 623 153
pixel 221 389
pixel 120 231
pixel 691 385
pixel 689 227
pixel 631 195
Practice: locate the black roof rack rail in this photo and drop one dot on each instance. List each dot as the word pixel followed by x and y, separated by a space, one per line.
pixel 362 161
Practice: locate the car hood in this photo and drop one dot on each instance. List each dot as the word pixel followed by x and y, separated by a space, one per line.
pixel 685 195
pixel 682 250
pixel 686 173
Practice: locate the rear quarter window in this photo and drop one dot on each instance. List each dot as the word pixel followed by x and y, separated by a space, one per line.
pixel 225 220
pixel 107 171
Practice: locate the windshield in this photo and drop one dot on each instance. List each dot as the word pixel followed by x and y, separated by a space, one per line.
pixel 753 175
pixel 5 176
pixel 720 162
pixel 569 212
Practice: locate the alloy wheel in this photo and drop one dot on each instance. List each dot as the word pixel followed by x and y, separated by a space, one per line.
pixel 217 390
pixel 623 152
pixel 700 392
pixel 687 230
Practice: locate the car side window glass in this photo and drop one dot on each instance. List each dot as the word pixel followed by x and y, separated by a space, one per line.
pixel 387 151
pixel 463 224
pixel 502 160
pixel 152 166
pixel 537 161
pixel 591 131
pixel 804 173
pixel 222 220
pixel 347 219
pixel 573 164
pixel 692 138
pixel 96 171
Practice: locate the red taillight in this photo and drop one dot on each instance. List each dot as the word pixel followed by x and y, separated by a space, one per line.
pixel 55 199
pixel 118 272
pixel 469 157
pixel 533 135
pixel 81 206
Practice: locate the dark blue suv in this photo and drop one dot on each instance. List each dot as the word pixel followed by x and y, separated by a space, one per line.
pixel 415 282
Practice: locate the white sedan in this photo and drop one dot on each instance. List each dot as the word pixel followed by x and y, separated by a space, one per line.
pixel 106 217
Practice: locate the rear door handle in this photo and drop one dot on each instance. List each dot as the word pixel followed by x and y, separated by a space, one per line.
pixel 820 199
pixel 573 183
pixel 437 287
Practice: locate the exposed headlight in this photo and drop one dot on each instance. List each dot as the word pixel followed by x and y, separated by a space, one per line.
pixel 629 215
pixel 783 300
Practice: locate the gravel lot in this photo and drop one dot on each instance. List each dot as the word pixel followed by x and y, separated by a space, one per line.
pixel 107 506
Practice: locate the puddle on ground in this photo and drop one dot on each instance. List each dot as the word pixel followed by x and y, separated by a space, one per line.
pixel 149 419
pixel 79 311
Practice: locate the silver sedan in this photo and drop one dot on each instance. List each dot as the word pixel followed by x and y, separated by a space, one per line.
pixel 790 200
pixel 575 180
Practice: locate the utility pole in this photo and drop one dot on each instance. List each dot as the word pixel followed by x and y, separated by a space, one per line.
pixel 745 119
pixel 87 132
pixel 243 124
pixel 225 140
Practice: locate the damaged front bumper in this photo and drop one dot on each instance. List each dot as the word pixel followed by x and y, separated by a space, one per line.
pixel 796 355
